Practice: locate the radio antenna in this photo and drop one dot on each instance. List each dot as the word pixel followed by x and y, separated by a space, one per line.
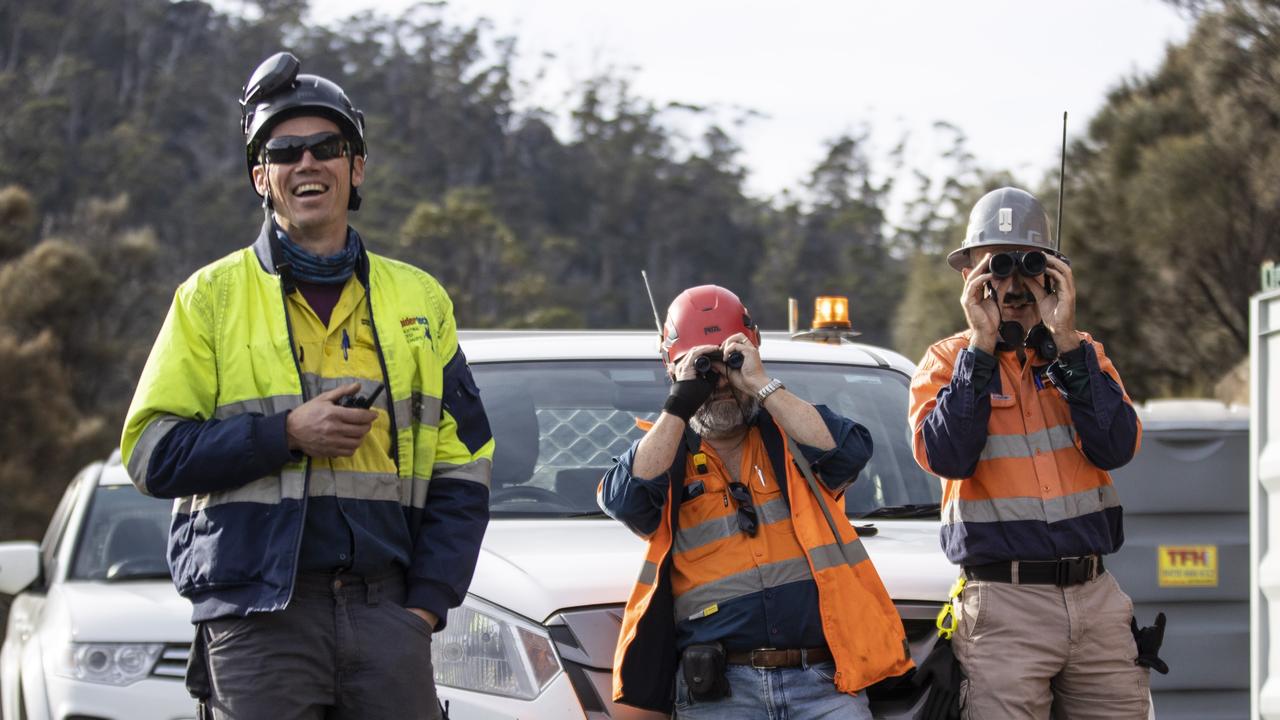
pixel 1062 174
pixel 652 304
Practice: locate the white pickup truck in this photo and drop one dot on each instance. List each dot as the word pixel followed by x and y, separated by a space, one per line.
pixel 100 632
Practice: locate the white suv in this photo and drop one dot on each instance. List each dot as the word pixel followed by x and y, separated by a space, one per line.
pixel 103 633
pixel 536 636
pixel 98 633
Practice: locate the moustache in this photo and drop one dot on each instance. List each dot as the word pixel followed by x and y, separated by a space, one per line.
pixel 1018 298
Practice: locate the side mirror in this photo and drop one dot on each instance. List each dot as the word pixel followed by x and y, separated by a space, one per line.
pixel 19 566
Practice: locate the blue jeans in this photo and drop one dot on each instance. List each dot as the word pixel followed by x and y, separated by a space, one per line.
pixel 799 693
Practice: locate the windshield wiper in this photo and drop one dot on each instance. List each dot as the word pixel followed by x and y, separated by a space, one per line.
pixel 904 511
pixel 587 514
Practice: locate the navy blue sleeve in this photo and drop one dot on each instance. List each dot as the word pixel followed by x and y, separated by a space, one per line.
pixel 635 502
pixel 448 545
pixel 1106 424
pixel 839 466
pixel 955 431
pixel 207 456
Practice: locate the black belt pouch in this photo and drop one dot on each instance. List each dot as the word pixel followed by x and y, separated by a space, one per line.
pixel 704 672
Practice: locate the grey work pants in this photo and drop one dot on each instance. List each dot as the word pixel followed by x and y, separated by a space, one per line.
pixel 1033 650
pixel 343 649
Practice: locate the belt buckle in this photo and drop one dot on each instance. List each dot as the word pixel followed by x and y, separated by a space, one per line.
pixel 1073 571
pixel 753 659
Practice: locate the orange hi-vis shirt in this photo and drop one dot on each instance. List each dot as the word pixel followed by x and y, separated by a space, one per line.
pixel 1023 462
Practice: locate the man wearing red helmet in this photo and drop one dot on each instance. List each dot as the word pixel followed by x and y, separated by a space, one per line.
pixel 756 600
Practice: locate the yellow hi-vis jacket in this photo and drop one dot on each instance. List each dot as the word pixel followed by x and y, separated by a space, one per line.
pixel 225 352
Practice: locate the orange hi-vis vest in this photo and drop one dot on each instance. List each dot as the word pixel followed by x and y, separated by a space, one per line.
pixel 1034 495
pixel 859 621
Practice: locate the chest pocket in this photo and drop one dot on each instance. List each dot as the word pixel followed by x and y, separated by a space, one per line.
pixel 705 512
pixel 703 499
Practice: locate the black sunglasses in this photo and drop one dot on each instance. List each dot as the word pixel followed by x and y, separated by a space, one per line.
pixel 288 149
pixel 748 518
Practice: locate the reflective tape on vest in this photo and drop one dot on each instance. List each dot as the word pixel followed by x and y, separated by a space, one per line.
pixel 719 528
pixel 1031 508
pixel 743 583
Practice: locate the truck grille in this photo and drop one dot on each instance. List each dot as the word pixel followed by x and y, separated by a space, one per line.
pixel 585 640
pixel 173 662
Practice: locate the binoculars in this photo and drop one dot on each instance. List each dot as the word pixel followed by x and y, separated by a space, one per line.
pixel 1030 264
pixel 703 362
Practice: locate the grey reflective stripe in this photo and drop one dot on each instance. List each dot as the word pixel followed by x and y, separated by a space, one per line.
pixel 140 460
pixel 774 511
pixel 477 471
pixel 1031 508
pixel 418 408
pixel 705 533
pixel 413 492
pixel 648 573
pixel 352 485
pixel 270 490
pixel 1018 446
pixel 317 384
pixel 826 557
pixel 748 581
pixel 263 406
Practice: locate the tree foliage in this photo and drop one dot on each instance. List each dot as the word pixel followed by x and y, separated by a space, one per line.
pixel 122 170
pixel 1174 202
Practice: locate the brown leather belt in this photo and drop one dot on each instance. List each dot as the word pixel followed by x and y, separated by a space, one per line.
pixel 771 658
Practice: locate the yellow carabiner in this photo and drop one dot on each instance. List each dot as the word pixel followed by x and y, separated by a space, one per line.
pixel 947 616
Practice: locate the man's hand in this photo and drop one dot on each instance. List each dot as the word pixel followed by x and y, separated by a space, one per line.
pixel 426 615
pixel 1058 309
pixel 684 369
pixel 752 376
pixel 690 390
pixel 980 309
pixel 321 429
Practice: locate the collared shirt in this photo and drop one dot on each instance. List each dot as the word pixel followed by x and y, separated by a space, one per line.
pixel 332 354
pixel 1023 450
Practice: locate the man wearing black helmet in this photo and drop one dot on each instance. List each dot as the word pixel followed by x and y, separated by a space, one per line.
pixel 308 406
pixel 1022 416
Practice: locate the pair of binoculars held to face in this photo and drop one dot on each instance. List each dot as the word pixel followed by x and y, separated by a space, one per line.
pixel 702 364
pixel 1031 263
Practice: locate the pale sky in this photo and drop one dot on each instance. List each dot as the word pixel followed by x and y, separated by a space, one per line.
pixel 1001 70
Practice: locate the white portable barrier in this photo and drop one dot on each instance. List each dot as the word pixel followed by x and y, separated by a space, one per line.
pixel 1264 515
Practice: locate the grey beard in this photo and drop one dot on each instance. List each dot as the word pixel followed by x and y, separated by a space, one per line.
pixel 717 420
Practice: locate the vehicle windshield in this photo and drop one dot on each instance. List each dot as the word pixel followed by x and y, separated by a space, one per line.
pixel 558 426
pixel 124 536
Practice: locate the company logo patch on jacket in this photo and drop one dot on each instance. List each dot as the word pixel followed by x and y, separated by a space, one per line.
pixel 416 329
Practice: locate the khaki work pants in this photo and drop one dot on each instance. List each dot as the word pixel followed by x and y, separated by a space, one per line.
pixel 1037 651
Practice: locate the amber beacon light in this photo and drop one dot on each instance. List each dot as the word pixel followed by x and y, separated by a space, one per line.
pixel 831 311
pixel 830 321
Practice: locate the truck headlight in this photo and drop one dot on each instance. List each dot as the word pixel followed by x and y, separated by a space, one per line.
pixel 108 663
pixel 490 650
